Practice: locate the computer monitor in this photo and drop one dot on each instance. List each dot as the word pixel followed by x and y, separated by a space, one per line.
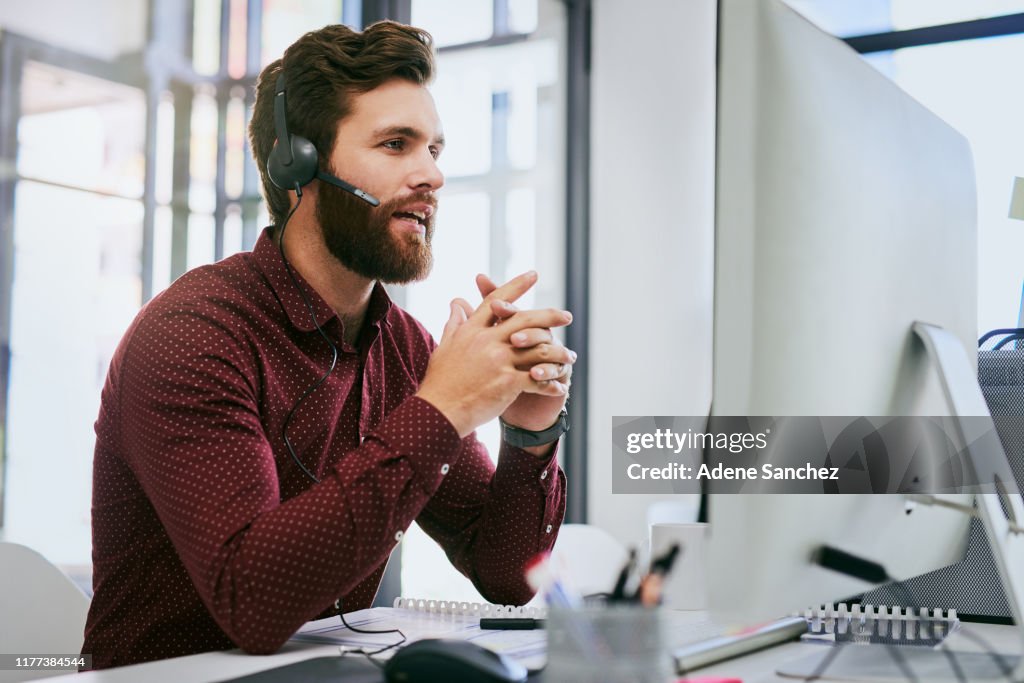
pixel 845 213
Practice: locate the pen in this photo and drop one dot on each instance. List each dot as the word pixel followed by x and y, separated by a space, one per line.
pixel 504 624
pixel 619 592
pixel 649 592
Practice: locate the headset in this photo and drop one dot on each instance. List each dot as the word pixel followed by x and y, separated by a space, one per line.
pixel 294 162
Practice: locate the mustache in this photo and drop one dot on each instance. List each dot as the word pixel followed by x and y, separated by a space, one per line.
pixel 390 206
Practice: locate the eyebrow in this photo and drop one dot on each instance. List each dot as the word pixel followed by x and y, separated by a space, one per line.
pixel 406 131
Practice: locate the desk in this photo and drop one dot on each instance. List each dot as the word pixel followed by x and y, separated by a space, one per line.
pixel 218 666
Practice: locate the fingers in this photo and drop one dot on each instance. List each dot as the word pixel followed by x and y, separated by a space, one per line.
pixel 510 291
pixel 541 317
pixel 485 284
pixel 466 307
pixel 455 320
pixel 501 309
pixel 528 385
pixel 524 339
pixel 550 371
pixel 544 353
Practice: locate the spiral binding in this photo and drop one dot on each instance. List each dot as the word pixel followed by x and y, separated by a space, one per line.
pixel 890 625
pixel 471 609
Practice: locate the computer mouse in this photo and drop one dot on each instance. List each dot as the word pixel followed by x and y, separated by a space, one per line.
pixel 437 660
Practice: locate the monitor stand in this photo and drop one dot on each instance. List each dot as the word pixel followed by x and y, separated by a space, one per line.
pixel 972 420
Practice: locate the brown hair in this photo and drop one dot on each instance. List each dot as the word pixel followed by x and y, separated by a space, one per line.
pixel 323 68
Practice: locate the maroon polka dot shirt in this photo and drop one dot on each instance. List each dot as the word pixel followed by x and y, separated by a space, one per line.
pixel 207 536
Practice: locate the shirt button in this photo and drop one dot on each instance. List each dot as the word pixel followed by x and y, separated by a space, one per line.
pixel 543 475
pixel 444 468
pixel 400 533
pixel 548 530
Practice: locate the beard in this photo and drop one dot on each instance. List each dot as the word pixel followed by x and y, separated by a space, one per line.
pixel 360 236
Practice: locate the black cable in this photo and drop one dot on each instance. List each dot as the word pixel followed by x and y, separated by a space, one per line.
pixel 362 651
pixel 312 315
pixel 995 333
pixel 1009 338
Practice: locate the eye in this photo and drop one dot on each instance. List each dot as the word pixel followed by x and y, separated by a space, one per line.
pixel 396 145
pixel 435 152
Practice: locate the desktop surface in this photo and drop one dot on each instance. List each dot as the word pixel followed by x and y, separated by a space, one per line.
pixel 215 667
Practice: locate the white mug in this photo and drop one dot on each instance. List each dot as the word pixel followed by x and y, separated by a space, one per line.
pixel 685 586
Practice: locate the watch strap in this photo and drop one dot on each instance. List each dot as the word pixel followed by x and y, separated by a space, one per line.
pixel 525 438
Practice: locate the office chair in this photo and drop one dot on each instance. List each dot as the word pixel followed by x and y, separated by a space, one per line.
pixel 42 611
pixel 588 557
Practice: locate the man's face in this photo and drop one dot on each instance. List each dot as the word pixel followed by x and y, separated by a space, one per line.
pixel 388 146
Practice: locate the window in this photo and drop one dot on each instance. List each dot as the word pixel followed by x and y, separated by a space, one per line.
pixel 155 178
pixel 83 160
pixel 80 171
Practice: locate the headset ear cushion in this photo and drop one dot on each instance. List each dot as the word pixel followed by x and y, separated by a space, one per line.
pixel 303 168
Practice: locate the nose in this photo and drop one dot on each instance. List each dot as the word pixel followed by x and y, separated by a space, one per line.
pixel 426 176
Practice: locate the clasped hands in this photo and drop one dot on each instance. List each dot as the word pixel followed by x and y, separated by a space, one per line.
pixel 498 360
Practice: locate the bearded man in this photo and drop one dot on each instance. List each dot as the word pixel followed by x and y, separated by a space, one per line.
pixel 272 424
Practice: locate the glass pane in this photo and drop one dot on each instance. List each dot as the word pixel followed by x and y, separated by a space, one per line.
pixel 461 248
pixel 206 36
pixel 521 238
pixel 165 149
pixel 466 81
pixel 847 18
pixel 162 230
pixel 879 16
pixel 203 153
pixel 200 240
pixel 522 16
pixel 454 21
pixel 81 131
pixel 236 142
pixel 945 78
pixel 284 21
pixel 462 92
pixel 262 219
pixel 236 38
pixel 77 261
pixel 915 13
pixel 522 123
pixel 233 230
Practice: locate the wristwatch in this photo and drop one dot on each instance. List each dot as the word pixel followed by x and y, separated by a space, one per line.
pixel 524 438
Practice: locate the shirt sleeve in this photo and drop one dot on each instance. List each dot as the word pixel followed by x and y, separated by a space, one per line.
pixel 191 433
pixel 491 522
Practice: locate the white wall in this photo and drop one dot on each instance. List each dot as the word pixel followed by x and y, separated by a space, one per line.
pixel 100 28
pixel 652 228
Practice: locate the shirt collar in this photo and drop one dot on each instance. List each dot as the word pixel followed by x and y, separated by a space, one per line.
pixel 267 257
